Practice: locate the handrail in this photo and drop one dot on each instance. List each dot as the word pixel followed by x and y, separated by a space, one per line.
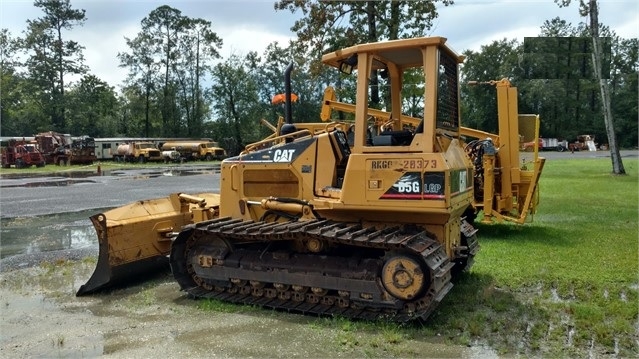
pixel 251 147
pixel 350 108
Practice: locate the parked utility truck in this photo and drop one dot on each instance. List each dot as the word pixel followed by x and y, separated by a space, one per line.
pixel 172 155
pixel 137 152
pixel 196 150
pixel 64 149
pixel 21 154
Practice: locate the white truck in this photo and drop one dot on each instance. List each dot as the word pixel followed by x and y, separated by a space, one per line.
pixel 550 144
pixel 137 152
pixel 171 156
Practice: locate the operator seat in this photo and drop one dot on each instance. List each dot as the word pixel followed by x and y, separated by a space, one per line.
pixel 393 138
pixel 342 151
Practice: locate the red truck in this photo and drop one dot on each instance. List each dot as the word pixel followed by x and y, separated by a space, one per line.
pixel 21 154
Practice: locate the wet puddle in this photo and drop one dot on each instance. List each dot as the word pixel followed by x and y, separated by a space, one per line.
pixel 43 318
pixel 28 235
pixel 73 230
pixel 51 183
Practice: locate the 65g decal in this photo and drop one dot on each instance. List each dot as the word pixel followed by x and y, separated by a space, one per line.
pixel 417 185
pixel 409 186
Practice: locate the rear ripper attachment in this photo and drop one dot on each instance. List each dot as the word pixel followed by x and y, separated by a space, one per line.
pixel 396 273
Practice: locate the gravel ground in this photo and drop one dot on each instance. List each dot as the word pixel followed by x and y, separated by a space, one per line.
pixel 42 318
pixel 22 261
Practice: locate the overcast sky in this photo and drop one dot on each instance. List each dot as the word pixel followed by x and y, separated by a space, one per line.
pixel 250 25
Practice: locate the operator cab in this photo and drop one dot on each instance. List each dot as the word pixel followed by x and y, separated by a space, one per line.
pixel 430 93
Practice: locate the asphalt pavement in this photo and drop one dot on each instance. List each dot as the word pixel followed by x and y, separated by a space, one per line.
pixel 586 154
pixel 80 191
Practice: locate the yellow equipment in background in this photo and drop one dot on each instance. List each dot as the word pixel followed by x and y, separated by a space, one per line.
pixel 364 220
pixel 506 180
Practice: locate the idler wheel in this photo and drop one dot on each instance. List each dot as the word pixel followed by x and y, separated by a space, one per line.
pixel 314 245
pixel 403 277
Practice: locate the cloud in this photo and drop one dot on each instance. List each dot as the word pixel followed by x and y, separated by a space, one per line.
pixel 102 46
pixel 240 40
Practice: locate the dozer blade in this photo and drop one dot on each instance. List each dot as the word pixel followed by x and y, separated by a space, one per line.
pixel 135 239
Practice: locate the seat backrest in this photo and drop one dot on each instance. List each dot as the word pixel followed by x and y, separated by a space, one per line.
pixel 339 141
pixel 393 138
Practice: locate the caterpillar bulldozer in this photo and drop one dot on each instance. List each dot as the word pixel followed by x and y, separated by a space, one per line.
pixel 365 219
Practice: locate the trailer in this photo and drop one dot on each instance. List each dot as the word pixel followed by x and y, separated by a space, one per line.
pixel 553 144
pixel 545 144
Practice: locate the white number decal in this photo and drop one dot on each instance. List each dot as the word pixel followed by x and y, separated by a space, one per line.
pixel 408 187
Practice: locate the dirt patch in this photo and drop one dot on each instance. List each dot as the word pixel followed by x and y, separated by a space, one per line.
pixel 41 317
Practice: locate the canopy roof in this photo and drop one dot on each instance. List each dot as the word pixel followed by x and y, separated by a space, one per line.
pixel 404 53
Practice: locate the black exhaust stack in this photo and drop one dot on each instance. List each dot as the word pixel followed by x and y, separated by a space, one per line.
pixel 288 127
pixel 287 92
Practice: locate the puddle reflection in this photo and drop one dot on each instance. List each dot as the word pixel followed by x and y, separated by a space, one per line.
pixel 55 183
pixel 47 233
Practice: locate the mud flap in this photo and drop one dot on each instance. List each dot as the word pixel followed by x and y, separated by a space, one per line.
pixel 135 240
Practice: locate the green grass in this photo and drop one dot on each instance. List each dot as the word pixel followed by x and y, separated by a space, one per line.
pixel 585 231
pixel 45 169
pixel 565 282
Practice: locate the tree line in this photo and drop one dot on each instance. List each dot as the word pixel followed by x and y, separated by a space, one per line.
pixel 179 85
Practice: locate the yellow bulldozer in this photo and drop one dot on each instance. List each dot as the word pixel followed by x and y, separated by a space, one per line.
pixel 364 219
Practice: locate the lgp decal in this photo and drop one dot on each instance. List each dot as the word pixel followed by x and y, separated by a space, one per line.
pixel 434 185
